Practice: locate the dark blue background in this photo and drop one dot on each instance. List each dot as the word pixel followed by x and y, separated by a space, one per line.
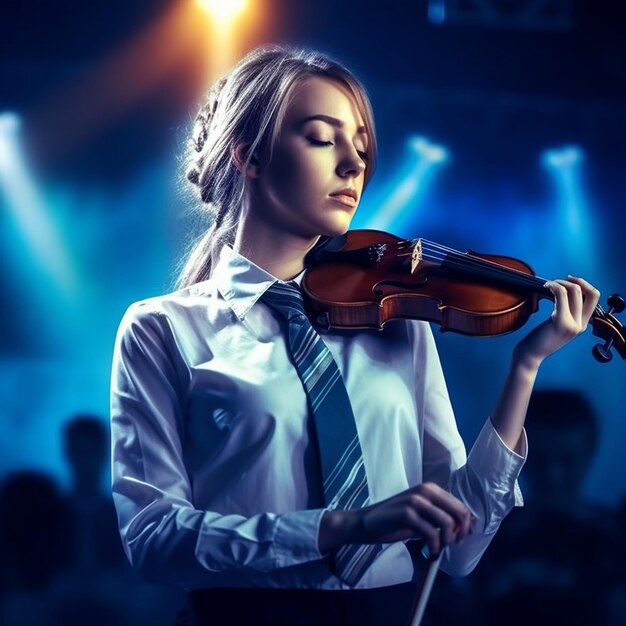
pixel 96 100
pixel 102 141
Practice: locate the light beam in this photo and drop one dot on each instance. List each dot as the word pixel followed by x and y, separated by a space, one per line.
pixel 424 158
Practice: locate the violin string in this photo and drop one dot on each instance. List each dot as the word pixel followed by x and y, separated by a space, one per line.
pixel 477 262
pixel 410 243
pixel 489 270
pixel 458 260
pixel 439 253
pixel 511 274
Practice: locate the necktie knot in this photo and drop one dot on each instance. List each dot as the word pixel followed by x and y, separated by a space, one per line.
pixel 286 299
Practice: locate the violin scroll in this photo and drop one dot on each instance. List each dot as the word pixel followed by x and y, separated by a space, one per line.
pixel 608 327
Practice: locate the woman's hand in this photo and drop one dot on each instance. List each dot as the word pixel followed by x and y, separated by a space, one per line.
pixel 574 302
pixel 426 511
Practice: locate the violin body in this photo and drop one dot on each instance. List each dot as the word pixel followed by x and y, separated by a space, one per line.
pixel 367 277
pixel 341 294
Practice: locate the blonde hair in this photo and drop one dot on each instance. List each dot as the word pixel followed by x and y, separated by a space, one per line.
pixel 246 108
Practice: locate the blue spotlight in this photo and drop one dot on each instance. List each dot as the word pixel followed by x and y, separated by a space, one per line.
pixel 9 128
pixel 423 159
pixel 9 122
pixel 33 229
pixel 574 219
pixel 437 11
pixel 430 152
pixel 568 156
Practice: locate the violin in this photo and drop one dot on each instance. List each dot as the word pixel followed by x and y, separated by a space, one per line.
pixel 366 277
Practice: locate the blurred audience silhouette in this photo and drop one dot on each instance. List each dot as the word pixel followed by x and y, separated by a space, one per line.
pixel 61 558
pixel 551 561
pixel 96 537
pixel 556 560
pixel 617 588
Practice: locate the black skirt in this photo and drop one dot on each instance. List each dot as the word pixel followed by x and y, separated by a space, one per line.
pixel 384 606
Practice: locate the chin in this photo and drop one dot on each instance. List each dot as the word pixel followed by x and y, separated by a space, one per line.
pixel 336 232
pixel 337 226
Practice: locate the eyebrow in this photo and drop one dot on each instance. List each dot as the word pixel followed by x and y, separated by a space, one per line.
pixel 333 121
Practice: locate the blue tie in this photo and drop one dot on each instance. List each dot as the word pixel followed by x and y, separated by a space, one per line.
pixel 343 471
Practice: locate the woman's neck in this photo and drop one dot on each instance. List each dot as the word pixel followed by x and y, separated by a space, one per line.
pixel 278 252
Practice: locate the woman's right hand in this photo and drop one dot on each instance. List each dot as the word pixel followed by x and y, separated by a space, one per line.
pixel 425 511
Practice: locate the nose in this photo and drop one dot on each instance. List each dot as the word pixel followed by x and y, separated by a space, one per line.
pixel 351 164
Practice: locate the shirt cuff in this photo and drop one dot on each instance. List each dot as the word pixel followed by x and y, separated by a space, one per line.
pixel 296 538
pixel 497 467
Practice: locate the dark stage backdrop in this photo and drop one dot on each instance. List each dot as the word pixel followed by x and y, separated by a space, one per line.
pixel 501 130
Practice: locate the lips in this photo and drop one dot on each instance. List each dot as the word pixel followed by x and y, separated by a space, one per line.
pixel 347 196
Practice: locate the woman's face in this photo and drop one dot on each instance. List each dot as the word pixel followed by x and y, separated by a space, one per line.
pixel 313 183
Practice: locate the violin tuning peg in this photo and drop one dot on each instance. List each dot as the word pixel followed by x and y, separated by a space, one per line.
pixel 610 329
pixel 602 352
pixel 616 303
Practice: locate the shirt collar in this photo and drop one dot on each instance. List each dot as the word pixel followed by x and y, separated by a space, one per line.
pixel 240 282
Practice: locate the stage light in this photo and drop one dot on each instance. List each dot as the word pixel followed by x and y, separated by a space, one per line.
pixel 575 219
pixel 9 127
pixel 9 123
pixel 399 198
pixel 523 14
pixel 429 151
pixel 563 157
pixel 437 11
pixel 229 24
pixel 224 11
pixel 33 229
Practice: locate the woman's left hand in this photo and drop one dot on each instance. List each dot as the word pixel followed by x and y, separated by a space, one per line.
pixel 574 303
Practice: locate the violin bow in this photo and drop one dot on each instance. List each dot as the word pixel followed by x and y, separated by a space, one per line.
pixel 426 587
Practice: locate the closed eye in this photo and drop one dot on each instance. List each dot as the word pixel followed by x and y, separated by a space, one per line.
pixel 317 142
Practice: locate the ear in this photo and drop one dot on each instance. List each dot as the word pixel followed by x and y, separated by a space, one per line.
pixel 239 154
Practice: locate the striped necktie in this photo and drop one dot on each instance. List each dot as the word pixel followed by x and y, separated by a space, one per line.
pixel 343 471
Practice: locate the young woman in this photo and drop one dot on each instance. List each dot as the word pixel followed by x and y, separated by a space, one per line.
pixel 222 459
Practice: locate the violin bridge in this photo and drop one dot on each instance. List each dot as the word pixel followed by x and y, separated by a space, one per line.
pixel 416 255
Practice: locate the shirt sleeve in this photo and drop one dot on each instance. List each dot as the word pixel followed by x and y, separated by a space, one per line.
pixel 486 480
pixel 163 534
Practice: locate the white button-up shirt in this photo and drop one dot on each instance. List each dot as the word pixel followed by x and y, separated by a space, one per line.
pixel 214 475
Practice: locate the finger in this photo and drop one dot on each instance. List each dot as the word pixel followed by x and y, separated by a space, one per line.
pixel 561 315
pixel 559 293
pixel 428 531
pixel 574 300
pixel 591 297
pixel 437 518
pixel 451 505
pixel 457 509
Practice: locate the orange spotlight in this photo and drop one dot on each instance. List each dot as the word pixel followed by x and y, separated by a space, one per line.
pixel 225 18
pixel 180 52
pixel 224 11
